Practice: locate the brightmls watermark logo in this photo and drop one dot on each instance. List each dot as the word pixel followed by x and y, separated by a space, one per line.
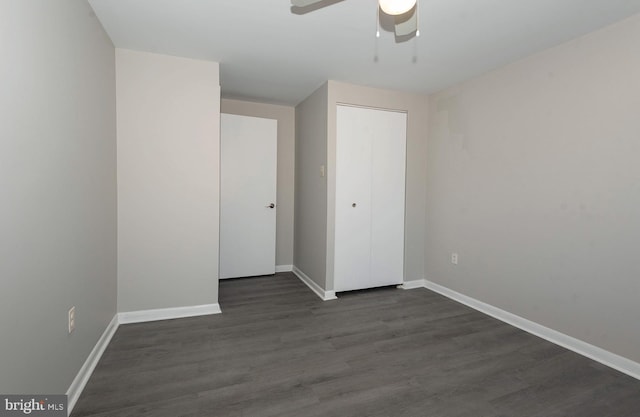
pixel 33 405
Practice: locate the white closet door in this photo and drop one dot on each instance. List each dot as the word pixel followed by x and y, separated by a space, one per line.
pixel 248 158
pixel 388 197
pixel 352 266
pixel 370 174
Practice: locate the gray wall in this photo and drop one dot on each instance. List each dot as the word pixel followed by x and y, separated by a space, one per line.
pixel 533 178
pixel 310 188
pixel 416 106
pixel 58 191
pixel 168 181
pixel 285 115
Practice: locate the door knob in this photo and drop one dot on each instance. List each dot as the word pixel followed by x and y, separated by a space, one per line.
pixel 353 205
pixel 271 206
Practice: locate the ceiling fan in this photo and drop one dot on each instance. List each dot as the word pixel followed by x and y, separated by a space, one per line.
pixel 403 12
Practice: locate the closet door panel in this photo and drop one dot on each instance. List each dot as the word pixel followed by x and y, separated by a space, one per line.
pixel 352 266
pixel 387 198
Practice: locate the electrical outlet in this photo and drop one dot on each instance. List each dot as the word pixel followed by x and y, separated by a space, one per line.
pixel 454 258
pixel 322 170
pixel 72 319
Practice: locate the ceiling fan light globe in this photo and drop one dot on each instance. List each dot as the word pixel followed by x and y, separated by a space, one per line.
pixel 396 7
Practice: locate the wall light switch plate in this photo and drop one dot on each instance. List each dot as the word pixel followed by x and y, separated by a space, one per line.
pixel 322 170
pixel 72 319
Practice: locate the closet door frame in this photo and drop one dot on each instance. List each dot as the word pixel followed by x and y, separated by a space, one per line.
pixel 384 255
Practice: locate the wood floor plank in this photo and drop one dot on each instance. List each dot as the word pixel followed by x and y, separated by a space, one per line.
pixel 277 350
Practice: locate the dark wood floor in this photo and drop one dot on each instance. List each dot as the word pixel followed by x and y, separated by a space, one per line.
pixel 277 350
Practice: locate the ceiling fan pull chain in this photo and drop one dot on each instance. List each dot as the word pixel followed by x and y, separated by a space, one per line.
pixel 378 22
pixel 417 12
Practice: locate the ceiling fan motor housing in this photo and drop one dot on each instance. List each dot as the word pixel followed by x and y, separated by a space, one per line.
pixel 396 7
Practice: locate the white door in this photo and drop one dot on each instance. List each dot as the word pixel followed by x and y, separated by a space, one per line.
pixel 370 195
pixel 248 155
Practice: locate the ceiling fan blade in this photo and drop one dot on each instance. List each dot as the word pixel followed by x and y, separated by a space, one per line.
pixel 304 3
pixel 308 6
pixel 406 25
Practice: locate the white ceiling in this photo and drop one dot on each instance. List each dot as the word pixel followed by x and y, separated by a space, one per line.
pixel 268 53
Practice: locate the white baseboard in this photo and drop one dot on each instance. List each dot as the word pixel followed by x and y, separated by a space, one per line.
pixel 168 313
pixel 605 357
pixel 324 295
pixel 412 285
pixel 81 379
pixel 284 268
